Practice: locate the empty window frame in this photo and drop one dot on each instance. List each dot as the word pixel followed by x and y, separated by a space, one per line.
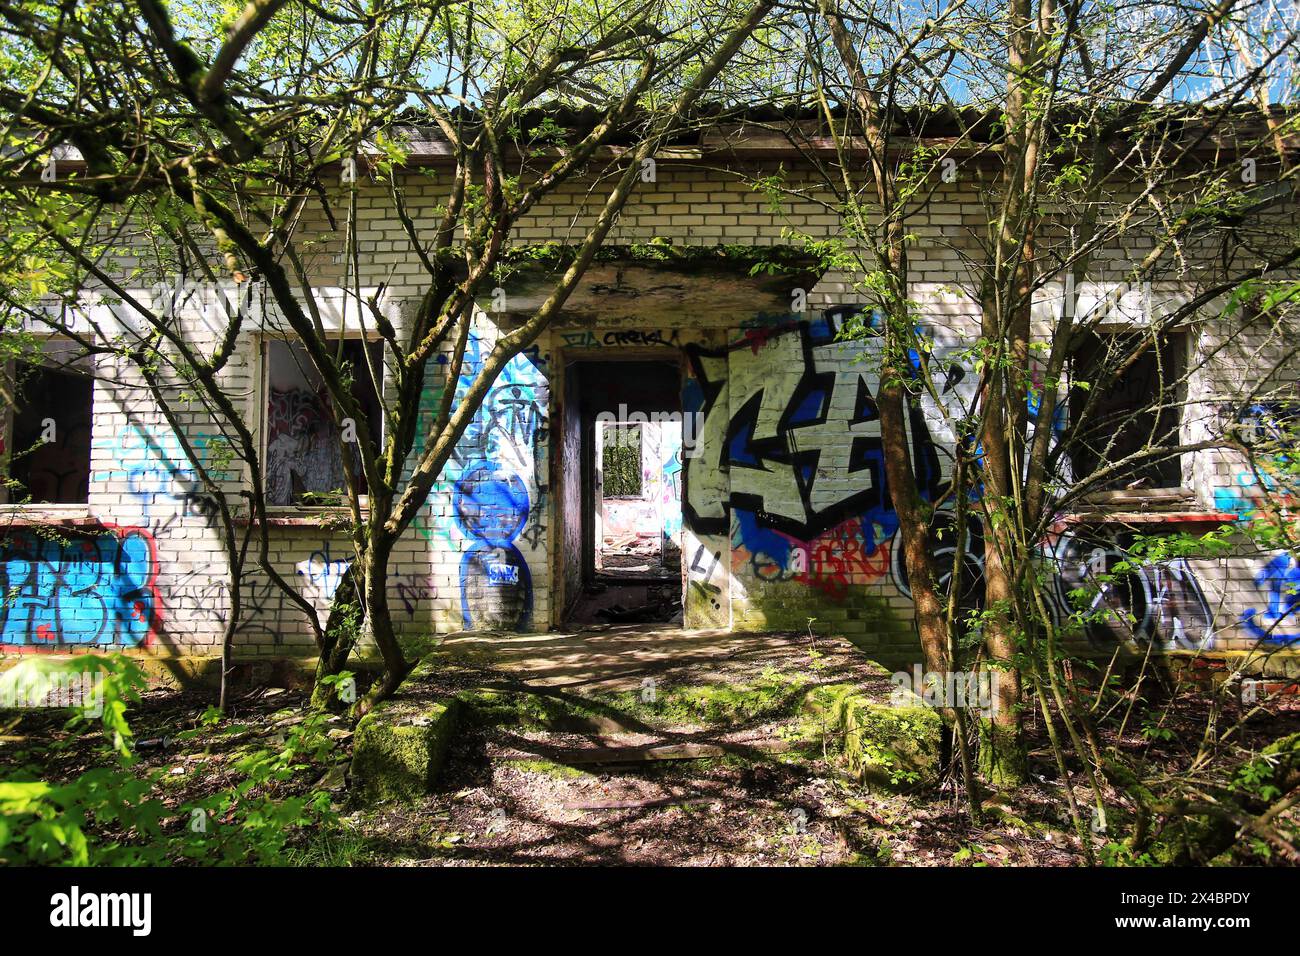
pixel 304 454
pixel 48 435
pixel 1126 409
pixel 621 461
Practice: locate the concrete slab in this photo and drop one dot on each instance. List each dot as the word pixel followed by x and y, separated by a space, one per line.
pixel 608 658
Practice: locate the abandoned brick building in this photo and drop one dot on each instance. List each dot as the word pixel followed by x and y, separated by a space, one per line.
pixel 754 498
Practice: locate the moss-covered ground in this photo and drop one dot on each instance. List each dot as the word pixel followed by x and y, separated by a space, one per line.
pixel 770 749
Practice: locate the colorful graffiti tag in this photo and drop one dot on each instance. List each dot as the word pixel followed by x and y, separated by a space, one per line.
pixel 496 590
pixel 496 480
pixel 99 590
pixel 671 487
pixel 1279 622
pixel 302 446
pixel 1159 602
pixel 790 460
pixel 790 470
pixel 155 468
pixel 945 550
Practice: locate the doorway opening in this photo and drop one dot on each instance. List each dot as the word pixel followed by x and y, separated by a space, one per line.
pixel 639 501
pixel 625 507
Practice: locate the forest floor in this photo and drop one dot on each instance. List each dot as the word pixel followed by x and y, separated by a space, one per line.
pixel 529 785
pixel 649 758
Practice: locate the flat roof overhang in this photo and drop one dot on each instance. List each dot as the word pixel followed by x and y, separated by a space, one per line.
pixel 679 286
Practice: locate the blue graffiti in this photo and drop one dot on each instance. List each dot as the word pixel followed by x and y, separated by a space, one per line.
pixel 324 572
pixel 154 466
pixel 495 464
pixel 491 509
pixel 511 423
pixel 1277 624
pixel 496 479
pixel 1060 414
pixel 90 591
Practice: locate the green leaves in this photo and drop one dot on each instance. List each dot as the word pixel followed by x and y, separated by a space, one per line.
pixel 114 814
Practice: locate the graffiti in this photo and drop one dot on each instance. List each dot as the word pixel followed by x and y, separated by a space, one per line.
pixel 156 470
pixel 792 425
pixel 496 483
pixel 792 471
pixel 670 478
pixel 629 517
pixel 302 447
pixel 831 562
pixel 511 425
pixel 587 339
pixel 323 573
pixel 414 590
pixel 92 591
pixel 1241 498
pixel 638 337
pixel 495 585
pixel 943 552
pixel 1159 603
pixel 1277 623
pixel 844 557
pixel 793 465
pixel 1268 425
pixel 262 605
pixel 706 565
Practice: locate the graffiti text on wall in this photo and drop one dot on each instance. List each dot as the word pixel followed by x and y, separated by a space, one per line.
pixel 1158 603
pixel 1279 621
pixel 793 473
pixel 793 463
pixel 156 470
pixel 323 572
pixel 98 590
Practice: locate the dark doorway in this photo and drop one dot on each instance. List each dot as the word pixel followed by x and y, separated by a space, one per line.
pixel 628 494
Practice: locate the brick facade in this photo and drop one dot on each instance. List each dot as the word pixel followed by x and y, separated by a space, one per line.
pixel 767 541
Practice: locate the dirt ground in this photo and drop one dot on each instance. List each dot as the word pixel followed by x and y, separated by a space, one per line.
pixel 518 795
pixel 559 771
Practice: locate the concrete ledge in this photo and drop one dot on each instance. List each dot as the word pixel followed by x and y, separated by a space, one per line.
pixel 400 746
pixel 203 671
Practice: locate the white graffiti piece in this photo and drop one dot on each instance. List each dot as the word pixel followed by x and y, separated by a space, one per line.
pixel 323 573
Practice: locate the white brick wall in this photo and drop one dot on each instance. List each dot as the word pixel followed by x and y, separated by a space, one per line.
pixel 827 554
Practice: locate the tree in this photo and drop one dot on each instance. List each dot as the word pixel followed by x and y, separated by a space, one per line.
pixel 1078 137
pixel 234 136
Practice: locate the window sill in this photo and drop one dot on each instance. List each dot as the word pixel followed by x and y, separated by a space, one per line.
pixel 49 516
pixel 1076 518
pixel 1140 498
pixel 315 516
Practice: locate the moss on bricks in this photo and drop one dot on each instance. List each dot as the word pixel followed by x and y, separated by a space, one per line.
pixel 772 697
pixel 884 745
pixel 397 754
pixel 859 614
pixel 400 746
pixel 539 711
